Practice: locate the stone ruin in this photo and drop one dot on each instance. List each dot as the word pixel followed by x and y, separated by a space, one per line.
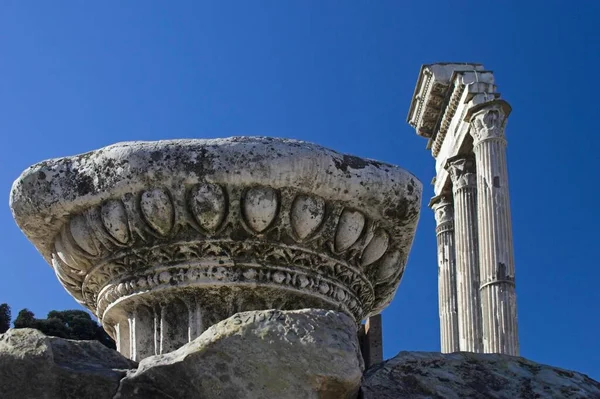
pixel 244 267
pixel 161 240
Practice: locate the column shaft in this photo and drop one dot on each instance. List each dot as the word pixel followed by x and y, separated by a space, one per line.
pixel 497 269
pixel 446 274
pixel 464 185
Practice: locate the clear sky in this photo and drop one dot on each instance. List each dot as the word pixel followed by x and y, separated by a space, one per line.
pixel 79 75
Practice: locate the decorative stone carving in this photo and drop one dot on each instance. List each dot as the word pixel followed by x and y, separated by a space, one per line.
pixel 458 108
pixel 218 227
pixel 462 171
pixel 307 215
pixel 488 121
pixel 437 82
pixel 443 209
pixel 208 204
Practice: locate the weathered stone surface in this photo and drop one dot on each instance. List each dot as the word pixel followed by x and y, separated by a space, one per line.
pixel 215 227
pixel 458 108
pixel 33 366
pixel 447 281
pixel 496 252
pixel 263 354
pixel 420 375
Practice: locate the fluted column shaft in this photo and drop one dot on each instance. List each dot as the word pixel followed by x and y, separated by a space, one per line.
pixel 464 187
pixel 444 215
pixel 496 262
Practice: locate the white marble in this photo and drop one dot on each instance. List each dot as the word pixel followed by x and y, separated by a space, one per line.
pixel 464 187
pixel 448 307
pixel 496 258
pixel 447 110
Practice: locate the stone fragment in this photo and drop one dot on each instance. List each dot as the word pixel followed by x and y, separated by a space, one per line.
pixel 33 365
pixel 420 375
pixel 211 228
pixel 258 354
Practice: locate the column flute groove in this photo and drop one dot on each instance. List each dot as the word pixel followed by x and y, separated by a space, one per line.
pixel 448 309
pixel 464 185
pixel 496 257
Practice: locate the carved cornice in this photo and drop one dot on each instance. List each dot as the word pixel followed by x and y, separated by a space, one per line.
pixel 462 171
pixel 430 106
pixel 488 121
pixel 436 99
pixel 430 97
pixel 450 111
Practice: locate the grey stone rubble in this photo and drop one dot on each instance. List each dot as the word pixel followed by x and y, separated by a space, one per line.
pixel 457 107
pixel 34 366
pixel 271 354
pixel 308 353
pixel 163 239
pixel 425 375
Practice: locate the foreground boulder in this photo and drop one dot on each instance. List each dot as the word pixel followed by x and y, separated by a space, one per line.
pixel 258 354
pixel 33 366
pixel 421 375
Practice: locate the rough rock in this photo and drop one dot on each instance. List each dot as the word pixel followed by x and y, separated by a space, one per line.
pixel 33 366
pixel 420 375
pixel 260 354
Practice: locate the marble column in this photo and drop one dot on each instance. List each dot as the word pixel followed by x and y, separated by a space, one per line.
pixel 444 217
pixel 496 258
pixel 464 187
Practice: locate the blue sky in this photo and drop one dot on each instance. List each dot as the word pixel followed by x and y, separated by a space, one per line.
pixel 76 76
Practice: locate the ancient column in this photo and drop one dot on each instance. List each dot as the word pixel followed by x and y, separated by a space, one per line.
pixel 444 217
pixel 496 259
pixel 464 187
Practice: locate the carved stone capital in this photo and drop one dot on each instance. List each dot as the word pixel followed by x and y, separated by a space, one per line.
pixel 488 121
pixel 462 171
pixel 443 209
pixel 215 227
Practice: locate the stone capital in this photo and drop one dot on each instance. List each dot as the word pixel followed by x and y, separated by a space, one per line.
pixel 185 233
pixel 488 120
pixel 462 171
pixel 443 208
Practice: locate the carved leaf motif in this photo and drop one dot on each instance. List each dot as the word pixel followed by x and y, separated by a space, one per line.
pixel 260 208
pixel 349 229
pixel 83 235
pixel 307 214
pixel 158 211
pixel 207 202
pixel 114 219
pixel 376 247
